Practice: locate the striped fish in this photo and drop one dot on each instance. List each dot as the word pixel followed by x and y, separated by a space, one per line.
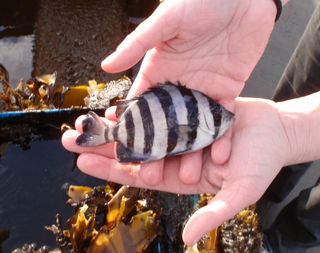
pixel 164 121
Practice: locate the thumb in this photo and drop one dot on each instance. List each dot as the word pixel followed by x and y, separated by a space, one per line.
pixel 224 206
pixel 147 35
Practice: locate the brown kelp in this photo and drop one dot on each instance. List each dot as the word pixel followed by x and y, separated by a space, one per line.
pixel 116 219
pixel 106 219
pixel 27 110
pixel 43 93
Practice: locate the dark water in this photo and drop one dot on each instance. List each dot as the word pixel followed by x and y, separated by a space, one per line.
pixel 32 191
pixel 70 37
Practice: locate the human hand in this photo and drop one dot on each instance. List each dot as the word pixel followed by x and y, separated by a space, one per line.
pixel 209 45
pixel 259 150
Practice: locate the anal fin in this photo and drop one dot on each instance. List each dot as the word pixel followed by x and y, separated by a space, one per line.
pixel 126 155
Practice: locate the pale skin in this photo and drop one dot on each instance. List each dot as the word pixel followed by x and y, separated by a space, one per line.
pixel 211 46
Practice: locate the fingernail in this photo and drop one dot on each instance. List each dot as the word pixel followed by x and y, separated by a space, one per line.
pixel 149 176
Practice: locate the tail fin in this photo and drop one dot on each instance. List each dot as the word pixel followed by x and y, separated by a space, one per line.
pixel 94 131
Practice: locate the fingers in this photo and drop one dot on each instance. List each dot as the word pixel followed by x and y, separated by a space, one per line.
pixel 140 84
pixel 70 136
pixel 152 172
pixel 221 149
pixel 79 120
pixel 69 143
pixel 146 36
pixel 109 169
pixel 110 113
pixel 190 167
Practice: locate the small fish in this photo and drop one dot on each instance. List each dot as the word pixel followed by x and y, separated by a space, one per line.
pixel 164 121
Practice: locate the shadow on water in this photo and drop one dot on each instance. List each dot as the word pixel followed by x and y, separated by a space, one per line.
pixel 37 37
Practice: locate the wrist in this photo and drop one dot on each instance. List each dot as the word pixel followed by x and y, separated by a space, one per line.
pixel 300 119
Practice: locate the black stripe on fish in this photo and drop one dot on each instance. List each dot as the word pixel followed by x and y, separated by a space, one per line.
pixel 130 128
pixel 216 111
pixel 127 155
pixel 166 102
pixel 148 125
pixel 191 104
pixel 106 133
pixel 115 132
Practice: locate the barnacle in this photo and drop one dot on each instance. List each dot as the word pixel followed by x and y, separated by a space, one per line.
pixel 238 235
pixel 241 234
pixel 102 96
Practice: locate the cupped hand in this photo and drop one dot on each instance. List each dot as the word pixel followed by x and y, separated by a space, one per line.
pixel 208 45
pixel 259 150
